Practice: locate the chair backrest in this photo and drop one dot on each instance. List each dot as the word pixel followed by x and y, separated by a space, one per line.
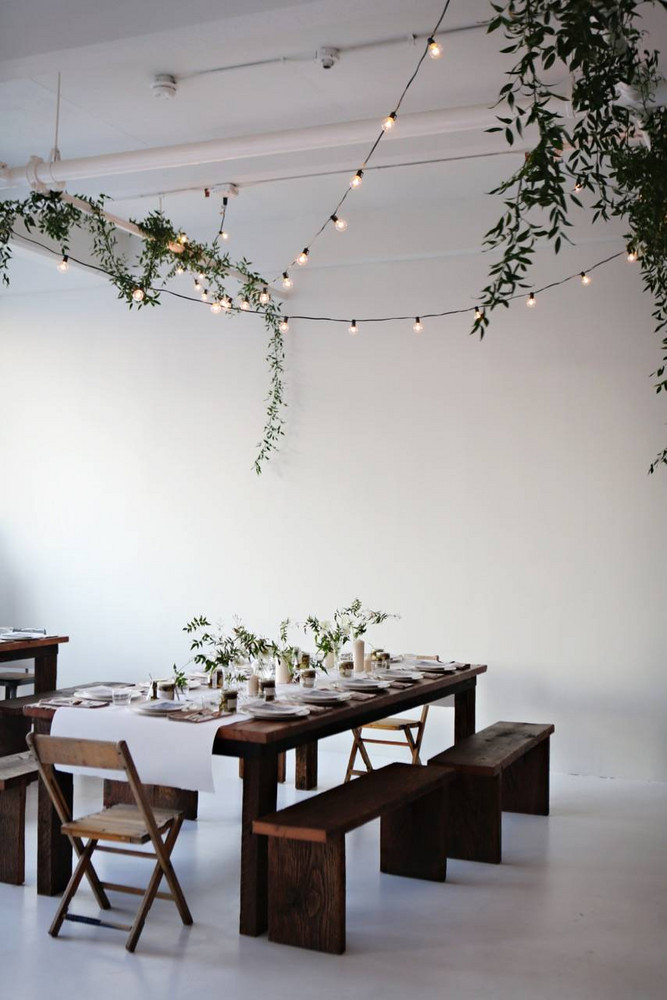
pixel 49 751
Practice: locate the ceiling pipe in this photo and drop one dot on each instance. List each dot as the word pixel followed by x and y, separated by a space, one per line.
pixel 37 173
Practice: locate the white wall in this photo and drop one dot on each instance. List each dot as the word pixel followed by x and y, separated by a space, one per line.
pixel 494 494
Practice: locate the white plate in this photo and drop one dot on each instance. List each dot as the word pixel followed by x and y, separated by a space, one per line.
pixel 436 668
pixel 267 710
pixel 364 684
pixel 323 697
pixel 159 707
pixel 399 675
pixel 102 692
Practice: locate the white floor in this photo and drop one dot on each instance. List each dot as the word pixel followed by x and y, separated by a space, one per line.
pixel 577 910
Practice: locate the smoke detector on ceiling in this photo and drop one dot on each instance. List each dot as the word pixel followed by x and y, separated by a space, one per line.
pixel 327 57
pixel 164 87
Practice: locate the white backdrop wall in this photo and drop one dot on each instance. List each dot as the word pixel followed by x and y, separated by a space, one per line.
pixel 494 494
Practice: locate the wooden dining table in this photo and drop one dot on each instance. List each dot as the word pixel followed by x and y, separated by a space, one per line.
pixel 258 743
pixel 44 653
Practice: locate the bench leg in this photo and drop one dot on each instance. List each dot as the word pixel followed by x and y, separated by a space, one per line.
pixel 12 835
pixel 413 838
pixel 475 819
pixel 526 783
pixel 307 894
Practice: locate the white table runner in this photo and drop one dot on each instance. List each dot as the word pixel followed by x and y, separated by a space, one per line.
pixel 177 754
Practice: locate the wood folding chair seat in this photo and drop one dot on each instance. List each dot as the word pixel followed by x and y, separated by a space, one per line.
pixel 128 824
pixel 412 731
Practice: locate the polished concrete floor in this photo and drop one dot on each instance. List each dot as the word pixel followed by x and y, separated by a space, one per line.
pixel 577 910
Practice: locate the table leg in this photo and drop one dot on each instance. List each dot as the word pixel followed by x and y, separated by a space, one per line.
pixel 464 713
pixel 46 669
pixel 306 766
pixel 54 852
pixel 260 788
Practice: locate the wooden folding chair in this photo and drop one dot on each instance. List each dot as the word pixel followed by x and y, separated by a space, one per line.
pixel 131 824
pixel 411 729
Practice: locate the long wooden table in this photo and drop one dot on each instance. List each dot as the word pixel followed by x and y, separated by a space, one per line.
pixel 259 744
pixel 44 653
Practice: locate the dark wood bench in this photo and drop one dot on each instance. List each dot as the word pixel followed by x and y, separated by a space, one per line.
pixel 307 848
pixel 12 680
pixel 502 768
pixel 16 773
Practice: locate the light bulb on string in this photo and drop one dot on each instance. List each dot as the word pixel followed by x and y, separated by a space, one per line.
pixel 197 285
pixel 585 278
pixel 353 328
pixel 339 224
pixel 531 301
pixel 182 239
pixel 283 326
pixel 179 270
pixel 224 235
pixel 479 313
pixel 303 257
pixel 389 122
pixel 287 281
pixel 434 48
pixel 204 295
pixel 578 187
pixel 264 297
pixel 632 256
pixel 417 326
pixel 245 303
pixel 63 265
pixel 216 307
pixel 357 180
pixel 138 294
pixel 226 303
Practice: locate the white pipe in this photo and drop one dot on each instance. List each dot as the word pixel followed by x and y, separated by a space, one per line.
pixel 475 118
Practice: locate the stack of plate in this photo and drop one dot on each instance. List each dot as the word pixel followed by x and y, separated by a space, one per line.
pixel 364 684
pixel 160 707
pixel 102 692
pixel 323 697
pixel 435 667
pixel 274 710
pixel 397 674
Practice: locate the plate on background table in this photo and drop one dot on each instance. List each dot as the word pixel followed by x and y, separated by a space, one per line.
pixel 434 667
pixel 323 697
pixel 159 707
pixel 102 692
pixel 395 674
pixel 272 710
pixel 364 684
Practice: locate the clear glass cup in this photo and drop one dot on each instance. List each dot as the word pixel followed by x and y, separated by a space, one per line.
pixel 121 696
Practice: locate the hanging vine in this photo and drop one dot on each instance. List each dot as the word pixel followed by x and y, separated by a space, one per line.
pixel 617 152
pixel 165 252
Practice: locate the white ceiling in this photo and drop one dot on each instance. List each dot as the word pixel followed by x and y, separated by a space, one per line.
pixel 108 54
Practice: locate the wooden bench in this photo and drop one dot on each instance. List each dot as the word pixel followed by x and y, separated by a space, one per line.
pixel 12 680
pixel 16 773
pixel 502 768
pixel 307 848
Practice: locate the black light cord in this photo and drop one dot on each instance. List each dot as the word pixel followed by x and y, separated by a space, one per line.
pixel 332 215
pixel 336 319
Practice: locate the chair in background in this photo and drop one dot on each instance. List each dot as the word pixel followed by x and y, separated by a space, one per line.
pixel 412 731
pixel 130 824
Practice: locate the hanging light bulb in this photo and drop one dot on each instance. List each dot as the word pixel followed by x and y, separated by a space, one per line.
pixel 216 307
pixel 632 256
pixel 585 278
pixel 353 328
pixel 339 224
pixel 226 303
pixel 245 304
pixel 63 265
pixel 201 276
pixel 303 256
pixel 179 270
pixel 283 326
pixel 138 294
pixel 434 48
pixel 287 281
pixel 531 301
pixel 224 235
pixel 578 187
pixel 264 297
pixel 182 239
pixel 204 295
pixel 479 313
pixel 357 180
pixel 389 122
pixel 417 326
pixel 197 285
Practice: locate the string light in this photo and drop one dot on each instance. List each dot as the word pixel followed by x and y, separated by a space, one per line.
pixel 632 256
pixel 339 224
pixel 204 295
pixel 63 265
pixel 245 304
pixel 353 328
pixel 264 297
pixel 224 235
pixel 434 48
pixel 578 187
pixel 479 313
pixel 303 257
pixel 585 278
pixel 287 281
pixel 216 307
pixel 531 301
pixel 197 285
pixel 357 180
pixel 389 122
pixel 182 239
pixel 179 270
pixel 138 294
pixel 226 303
pixel 201 276
pixel 283 326
pixel 417 326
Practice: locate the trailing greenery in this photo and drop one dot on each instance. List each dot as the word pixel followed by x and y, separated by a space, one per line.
pixel 617 154
pixel 165 253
